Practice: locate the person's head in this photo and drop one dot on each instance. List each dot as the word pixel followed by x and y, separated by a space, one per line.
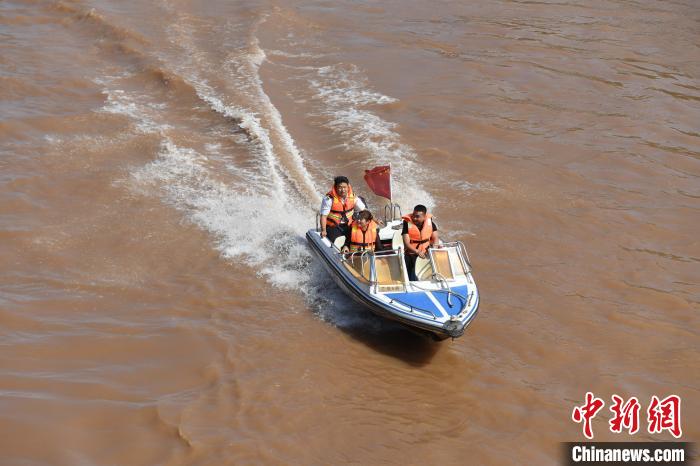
pixel 363 219
pixel 342 185
pixel 418 215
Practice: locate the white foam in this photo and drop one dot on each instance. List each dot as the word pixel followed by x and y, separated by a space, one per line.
pixel 344 85
pixel 184 176
pixel 137 108
pixel 282 53
pixel 470 188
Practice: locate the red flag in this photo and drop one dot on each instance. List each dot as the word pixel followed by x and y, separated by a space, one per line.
pixel 379 181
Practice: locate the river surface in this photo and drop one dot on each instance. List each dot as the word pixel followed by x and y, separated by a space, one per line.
pixel 161 161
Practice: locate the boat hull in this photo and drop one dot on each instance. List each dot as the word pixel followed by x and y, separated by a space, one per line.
pixel 361 294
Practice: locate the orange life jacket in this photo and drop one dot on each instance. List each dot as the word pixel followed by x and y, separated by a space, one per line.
pixel 340 212
pixel 420 239
pixel 363 240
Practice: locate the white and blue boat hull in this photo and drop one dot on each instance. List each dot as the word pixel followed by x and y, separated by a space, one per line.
pixel 442 309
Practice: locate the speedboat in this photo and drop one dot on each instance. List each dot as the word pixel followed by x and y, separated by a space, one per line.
pixel 441 303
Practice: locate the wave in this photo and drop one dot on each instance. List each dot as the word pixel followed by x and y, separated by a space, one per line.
pixel 104 27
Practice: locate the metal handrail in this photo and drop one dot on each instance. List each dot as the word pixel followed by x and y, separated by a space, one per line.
pixel 411 306
pixel 386 253
pixel 448 291
pixel 462 253
pixel 391 208
pixel 364 254
pixel 440 278
pixel 463 248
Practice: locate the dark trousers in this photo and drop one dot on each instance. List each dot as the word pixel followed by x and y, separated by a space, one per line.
pixel 335 231
pixel 411 266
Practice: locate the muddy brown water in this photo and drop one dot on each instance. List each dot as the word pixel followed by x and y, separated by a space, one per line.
pixel 161 161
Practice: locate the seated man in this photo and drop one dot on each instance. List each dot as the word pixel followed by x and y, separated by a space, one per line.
pixel 363 234
pixel 337 208
pixel 419 233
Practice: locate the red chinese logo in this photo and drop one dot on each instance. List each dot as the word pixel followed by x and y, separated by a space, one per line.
pixel 624 415
pixel 661 415
pixel 587 412
pixel 665 415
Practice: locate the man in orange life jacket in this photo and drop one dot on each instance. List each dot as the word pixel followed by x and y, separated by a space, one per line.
pixel 419 233
pixel 337 208
pixel 363 234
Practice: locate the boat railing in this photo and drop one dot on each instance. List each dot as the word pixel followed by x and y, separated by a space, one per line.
pixel 462 253
pixel 366 257
pixel 390 211
pixel 413 307
pixel 369 257
pixel 438 277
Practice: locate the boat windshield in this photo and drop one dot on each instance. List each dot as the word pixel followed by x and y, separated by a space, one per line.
pixel 444 261
pixel 359 266
pixel 388 269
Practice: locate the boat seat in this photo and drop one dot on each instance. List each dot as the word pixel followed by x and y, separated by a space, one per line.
pixel 397 240
pixel 339 242
pixel 424 271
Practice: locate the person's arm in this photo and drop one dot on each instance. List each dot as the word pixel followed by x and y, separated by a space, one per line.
pixel 324 219
pixel 360 204
pixel 346 246
pixel 326 205
pixel 434 238
pixel 410 248
pixel 407 242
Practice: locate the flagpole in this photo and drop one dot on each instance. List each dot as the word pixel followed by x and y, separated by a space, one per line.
pixel 391 200
pixel 391 195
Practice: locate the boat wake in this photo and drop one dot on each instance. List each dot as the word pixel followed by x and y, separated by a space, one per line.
pixel 243 178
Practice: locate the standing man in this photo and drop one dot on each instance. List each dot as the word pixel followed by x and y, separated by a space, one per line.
pixel 337 208
pixel 419 233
